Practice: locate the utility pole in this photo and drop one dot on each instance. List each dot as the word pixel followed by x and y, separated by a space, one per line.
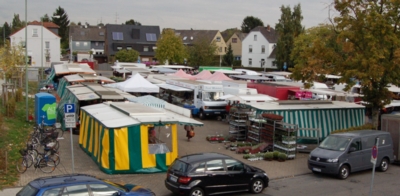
pixel 26 61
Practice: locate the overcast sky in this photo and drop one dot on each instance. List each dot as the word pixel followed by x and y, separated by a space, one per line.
pixel 178 14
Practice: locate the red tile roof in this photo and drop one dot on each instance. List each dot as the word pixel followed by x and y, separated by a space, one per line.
pixel 45 24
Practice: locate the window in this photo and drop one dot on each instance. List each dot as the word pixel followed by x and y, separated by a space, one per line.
pixel 233 165
pixel 85 43
pixel 151 37
pixel 129 47
pixel 250 48
pixel 250 62
pixel 234 40
pixel 97 44
pixel 118 36
pixel 145 48
pixel 119 47
pixel 262 49
pixel 356 144
pixel 218 39
pixel 215 165
pixel 34 33
pixel 82 33
pixel 255 37
pixel 47 44
pixel 226 49
pixel 80 190
pixel 101 33
pixel 184 38
pixel 200 168
pixel 102 189
pixel 220 49
pixel 52 192
pixel 77 44
pixel 262 62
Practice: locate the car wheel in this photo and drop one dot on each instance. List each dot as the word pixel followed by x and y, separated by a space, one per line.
pixel 344 172
pixel 384 165
pixel 196 192
pixel 202 116
pixel 257 186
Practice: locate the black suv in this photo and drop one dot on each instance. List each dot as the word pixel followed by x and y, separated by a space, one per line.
pixel 213 173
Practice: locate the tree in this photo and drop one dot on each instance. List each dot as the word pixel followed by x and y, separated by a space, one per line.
pixel 46 18
pixel 11 56
pixel 366 49
pixel 133 22
pixel 250 22
pixel 16 24
pixel 5 32
pixel 63 23
pixel 127 55
pixel 228 57
pixel 288 28
pixel 170 47
pixel 202 52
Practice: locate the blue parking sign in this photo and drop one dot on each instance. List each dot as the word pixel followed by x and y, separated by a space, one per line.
pixel 69 108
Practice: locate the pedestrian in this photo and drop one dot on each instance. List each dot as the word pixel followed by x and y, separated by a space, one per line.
pixel 189 131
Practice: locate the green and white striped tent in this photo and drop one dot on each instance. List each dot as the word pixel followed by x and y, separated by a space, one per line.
pixel 149 100
pixel 326 115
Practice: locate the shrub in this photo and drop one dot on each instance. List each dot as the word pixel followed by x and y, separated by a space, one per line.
pixel 246 156
pixel 275 154
pixel 10 107
pixel 362 127
pixel 18 95
pixel 282 156
pixel 269 155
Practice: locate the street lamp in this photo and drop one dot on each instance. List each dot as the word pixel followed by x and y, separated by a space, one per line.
pixel 26 60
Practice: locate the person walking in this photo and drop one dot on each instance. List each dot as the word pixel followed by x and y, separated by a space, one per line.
pixel 189 131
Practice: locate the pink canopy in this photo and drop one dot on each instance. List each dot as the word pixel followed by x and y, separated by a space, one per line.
pixel 182 74
pixel 203 75
pixel 218 76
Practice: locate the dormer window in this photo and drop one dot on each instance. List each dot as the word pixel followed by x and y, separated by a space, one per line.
pixel 151 37
pixel 118 36
pixel 184 38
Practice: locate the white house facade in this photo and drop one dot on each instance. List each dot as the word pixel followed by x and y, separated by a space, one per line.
pixel 51 44
pixel 258 47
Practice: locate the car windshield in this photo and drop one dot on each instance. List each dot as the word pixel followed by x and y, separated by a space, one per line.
pixel 179 166
pixel 335 143
pixel 28 190
pixel 116 185
pixel 212 96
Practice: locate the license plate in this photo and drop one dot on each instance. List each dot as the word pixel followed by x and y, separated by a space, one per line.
pixel 316 169
pixel 217 112
pixel 173 178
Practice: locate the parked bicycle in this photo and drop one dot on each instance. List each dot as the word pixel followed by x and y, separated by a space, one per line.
pixel 43 161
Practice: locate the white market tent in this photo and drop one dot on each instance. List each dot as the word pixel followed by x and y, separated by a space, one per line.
pixel 136 84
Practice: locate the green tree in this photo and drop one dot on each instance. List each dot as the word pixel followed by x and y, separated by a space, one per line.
pixel 5 32
pixel 63 23
pixel 228 57
pixel 202 52
pixel 170 47
pixel 367 49
pixel 288 28
pixel 250 22
pixel 127 55
pixel 16 24
pixel 133 22
pixel 46 18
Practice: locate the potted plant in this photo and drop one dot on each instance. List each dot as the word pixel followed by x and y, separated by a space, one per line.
pixel 269 156
pixel 282 157
pixel 275 154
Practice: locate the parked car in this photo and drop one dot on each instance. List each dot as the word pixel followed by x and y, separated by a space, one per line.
pixel 80 184
pixel 343 153
pixel 213 173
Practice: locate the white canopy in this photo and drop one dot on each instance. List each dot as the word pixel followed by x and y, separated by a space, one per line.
pixel 136 84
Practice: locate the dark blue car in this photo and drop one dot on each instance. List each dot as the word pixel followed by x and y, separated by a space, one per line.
pixel 80 184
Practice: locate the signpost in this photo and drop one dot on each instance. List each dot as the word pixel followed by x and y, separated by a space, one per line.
pixel 374 155
pixel 70 122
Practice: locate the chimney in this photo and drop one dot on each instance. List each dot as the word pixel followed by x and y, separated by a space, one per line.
pixel 268 28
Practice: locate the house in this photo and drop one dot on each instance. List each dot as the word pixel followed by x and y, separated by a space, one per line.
pixel 38 38
pixel 132 37
pixel 85 39
pixel 190 36
pixel 236 42
pixel 258 47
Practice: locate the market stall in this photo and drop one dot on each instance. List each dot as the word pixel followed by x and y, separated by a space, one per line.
pixel 326 115
pixel 126 137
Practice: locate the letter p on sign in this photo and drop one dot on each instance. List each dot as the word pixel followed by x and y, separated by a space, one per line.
pixel 69 108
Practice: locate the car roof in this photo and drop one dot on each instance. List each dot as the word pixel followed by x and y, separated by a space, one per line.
pixel 193 158
pixel 62 180
pixel 361 133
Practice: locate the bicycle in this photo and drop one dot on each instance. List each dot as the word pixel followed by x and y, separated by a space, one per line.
pixel 25 161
